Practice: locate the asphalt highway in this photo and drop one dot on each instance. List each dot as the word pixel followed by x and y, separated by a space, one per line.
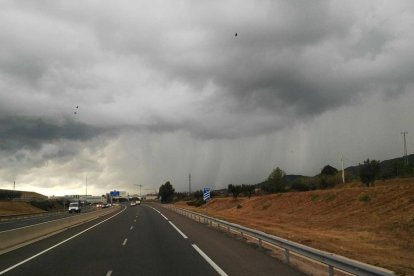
pixel 27 221
pixel 141 240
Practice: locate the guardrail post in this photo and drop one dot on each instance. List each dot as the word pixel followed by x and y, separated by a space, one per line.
pixel 228 229
pixel 260 242
pixel 331 270
pixel 287 256
pixel 241 234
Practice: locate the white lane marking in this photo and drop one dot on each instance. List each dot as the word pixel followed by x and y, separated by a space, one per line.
pixel 132 227
pixel 178 230
pixel 210 261
pixel 109 273
pixel 56 245
pixel 125 241
pixel 158 212
pixel 135 220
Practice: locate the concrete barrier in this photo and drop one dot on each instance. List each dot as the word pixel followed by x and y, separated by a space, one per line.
pixel 11 239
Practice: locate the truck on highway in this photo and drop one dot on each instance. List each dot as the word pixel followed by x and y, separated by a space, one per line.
pixel 75 207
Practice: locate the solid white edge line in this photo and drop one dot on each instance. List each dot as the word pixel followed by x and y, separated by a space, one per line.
pixel 178 230
pixel 210 261
pixel 125 241
pixel 158 212
pixel 56 245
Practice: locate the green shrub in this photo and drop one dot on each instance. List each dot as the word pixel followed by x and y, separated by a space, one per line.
pixel 365 198
pixel 329 197
pixel 45 205
pixel 197 202
pixel 8 194
pixel 314 197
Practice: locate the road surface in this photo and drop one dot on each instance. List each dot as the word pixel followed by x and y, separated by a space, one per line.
pixel 141 240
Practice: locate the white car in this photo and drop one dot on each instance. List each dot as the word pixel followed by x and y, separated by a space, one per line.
pixel 133 203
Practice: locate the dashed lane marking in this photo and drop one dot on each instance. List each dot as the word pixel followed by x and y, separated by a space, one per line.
pixel 125 241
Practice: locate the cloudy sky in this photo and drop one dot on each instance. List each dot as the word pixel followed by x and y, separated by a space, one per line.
pixel 165 88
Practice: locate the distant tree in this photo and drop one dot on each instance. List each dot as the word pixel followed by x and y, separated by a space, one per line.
pixel 235 190
pixel 166 192
pixel 369 172
pixel 198 194
pixel 329 170
pixel 275 182
pixel 248 189
pixel 299 185
pixel 277 174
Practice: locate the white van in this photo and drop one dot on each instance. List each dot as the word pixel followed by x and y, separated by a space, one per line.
pixel 74 207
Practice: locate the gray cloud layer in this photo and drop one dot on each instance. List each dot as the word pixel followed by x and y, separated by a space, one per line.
pixel 158 69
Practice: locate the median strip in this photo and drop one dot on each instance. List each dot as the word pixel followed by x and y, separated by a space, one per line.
pixel 12 239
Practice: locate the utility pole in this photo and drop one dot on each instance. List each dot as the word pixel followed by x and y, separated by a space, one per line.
pixel 189 184
pixel 139 185
pixel 405 148
pixel 86 187
pixel 343 171
pixel 14 185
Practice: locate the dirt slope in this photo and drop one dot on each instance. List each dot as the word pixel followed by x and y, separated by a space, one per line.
pixel 373 225
pixel 17 208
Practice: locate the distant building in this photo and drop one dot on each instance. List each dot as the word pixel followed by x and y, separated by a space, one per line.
pixel 151 197
pixel 86 198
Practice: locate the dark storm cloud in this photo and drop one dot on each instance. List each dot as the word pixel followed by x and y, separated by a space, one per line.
pixel 160 81
pixel 30 133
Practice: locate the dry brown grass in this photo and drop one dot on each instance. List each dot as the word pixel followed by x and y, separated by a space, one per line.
pixel 17 208
pixel 373 225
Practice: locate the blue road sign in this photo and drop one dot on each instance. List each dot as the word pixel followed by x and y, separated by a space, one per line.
pixel 115 193
pixel 206 194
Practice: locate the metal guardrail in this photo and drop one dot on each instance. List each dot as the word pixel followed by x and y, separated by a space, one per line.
pixel 331 260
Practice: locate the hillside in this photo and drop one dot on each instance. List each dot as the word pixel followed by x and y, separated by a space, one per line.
pixel 17 208
pixel 373 225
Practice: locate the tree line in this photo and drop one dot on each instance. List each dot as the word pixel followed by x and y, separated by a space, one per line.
pixel 279 182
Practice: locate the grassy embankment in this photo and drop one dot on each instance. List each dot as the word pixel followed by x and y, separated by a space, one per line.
pixel 373 225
